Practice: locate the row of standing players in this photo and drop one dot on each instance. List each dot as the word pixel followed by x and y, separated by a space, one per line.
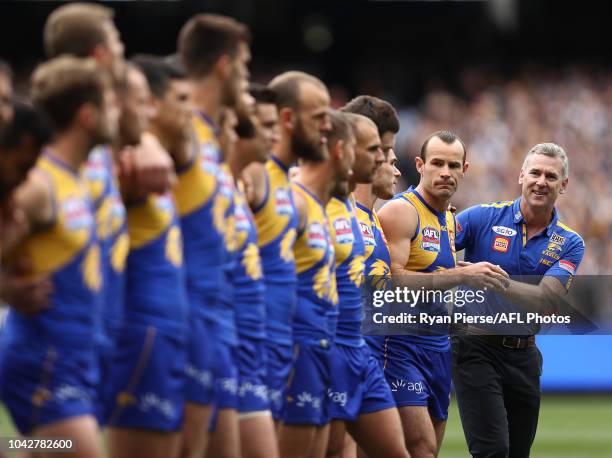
pixel 232 295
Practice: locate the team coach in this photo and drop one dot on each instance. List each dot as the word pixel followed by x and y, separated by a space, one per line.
pixel 497 376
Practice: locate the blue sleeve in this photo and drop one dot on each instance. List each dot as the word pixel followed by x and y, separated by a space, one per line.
pixel 565 268
pixel 465 227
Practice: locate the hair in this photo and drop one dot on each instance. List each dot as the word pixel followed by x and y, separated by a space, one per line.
pixel 551 150
pixel 26 120
pixel 205 38
pixel 382 113
pixel 76 28
pixel 342 127
pixel 447 137
pixel 158 71
pixel 6 70
pixel 287 87
pixel 62 85
pixel 262 93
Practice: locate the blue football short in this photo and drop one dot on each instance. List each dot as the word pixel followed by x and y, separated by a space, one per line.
pixel 146 382
pixel 279 361
pixel 417 376
pixel 306 395
pixel 41 384
pixel 252 388
pixel 199 377
pixel 358 384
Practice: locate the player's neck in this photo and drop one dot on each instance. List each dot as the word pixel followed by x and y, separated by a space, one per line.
pixel 237 162
pixel 207 98
pixel 440 205
pixel 282 151
pixel 318 179
pixel 72 148
pixel 364 195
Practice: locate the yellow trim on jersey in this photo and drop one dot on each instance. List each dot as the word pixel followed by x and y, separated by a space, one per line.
pixel 505 203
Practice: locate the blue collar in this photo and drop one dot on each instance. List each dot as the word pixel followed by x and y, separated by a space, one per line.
pixel 518 216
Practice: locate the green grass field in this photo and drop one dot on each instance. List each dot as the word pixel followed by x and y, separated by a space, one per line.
pixel 570 427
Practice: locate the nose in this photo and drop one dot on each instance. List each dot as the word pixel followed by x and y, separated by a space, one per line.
pixel 445 171
pixel 396 172
pixel 326 126
pixel 380 157
pixel 541 181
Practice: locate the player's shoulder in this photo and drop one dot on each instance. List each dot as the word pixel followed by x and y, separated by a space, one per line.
pixel 563 233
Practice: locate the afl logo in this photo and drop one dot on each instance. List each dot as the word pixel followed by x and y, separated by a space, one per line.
pixel 430 239
pixel 344 231
pixel 505 231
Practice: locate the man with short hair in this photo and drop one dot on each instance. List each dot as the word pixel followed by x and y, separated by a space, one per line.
pixel 498 385
pixel 48 366
pixel 303 125
pixel 421 232
pixel 215 52
pixel 305 424
pixel 146 375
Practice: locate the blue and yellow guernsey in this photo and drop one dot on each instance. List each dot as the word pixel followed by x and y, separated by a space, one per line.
pixel 248 275
pixel 68 251
pixel 111 225
pixel 155 284
pixel 203 205
pixel 377 256
pixel 317 295
pixel 349 248
pixel 276 222
pixel 432 248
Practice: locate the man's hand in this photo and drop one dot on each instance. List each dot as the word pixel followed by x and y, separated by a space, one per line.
pixel 144 169
pixel 27 294
pixel 483 274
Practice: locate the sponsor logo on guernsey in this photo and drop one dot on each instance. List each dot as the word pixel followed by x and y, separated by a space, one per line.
pixel 568 266
pixel 282 202
pixel 344 231
pixel 77 215
pixel 430 239
pixel 546 262
pixel 368 235
pixel 556 238
pixel 209 158
pixel 164 202
pixel 501 244
pixel 505 231
pixel 316 236
pixel 95 167
pixel 226 186
pixel 242 220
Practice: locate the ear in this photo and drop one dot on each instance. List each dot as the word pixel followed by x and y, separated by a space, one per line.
pixel 338 151
pixel 521 177
pixel 466 166
pixel 420 165
pixel 563 186
pixel 87 116
pixel 222 67
pixel 286 118
pixel 101 54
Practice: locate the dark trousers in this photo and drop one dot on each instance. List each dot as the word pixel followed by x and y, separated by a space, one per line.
pixel 498 392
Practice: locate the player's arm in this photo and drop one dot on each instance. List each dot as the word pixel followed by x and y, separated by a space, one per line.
pixel 399 221
pixel 300 208
pixel 145 169
pixel 254 176
pixel 24 292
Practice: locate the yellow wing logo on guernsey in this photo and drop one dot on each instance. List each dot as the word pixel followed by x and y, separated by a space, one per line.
pixel 355 271
pixel 119 252
pixel 91 268
pixel 379 273
pixel 251 262
pixel 324 285
pixel 174 247
pixel 230 233
pixel 286 246
pixel 218 213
